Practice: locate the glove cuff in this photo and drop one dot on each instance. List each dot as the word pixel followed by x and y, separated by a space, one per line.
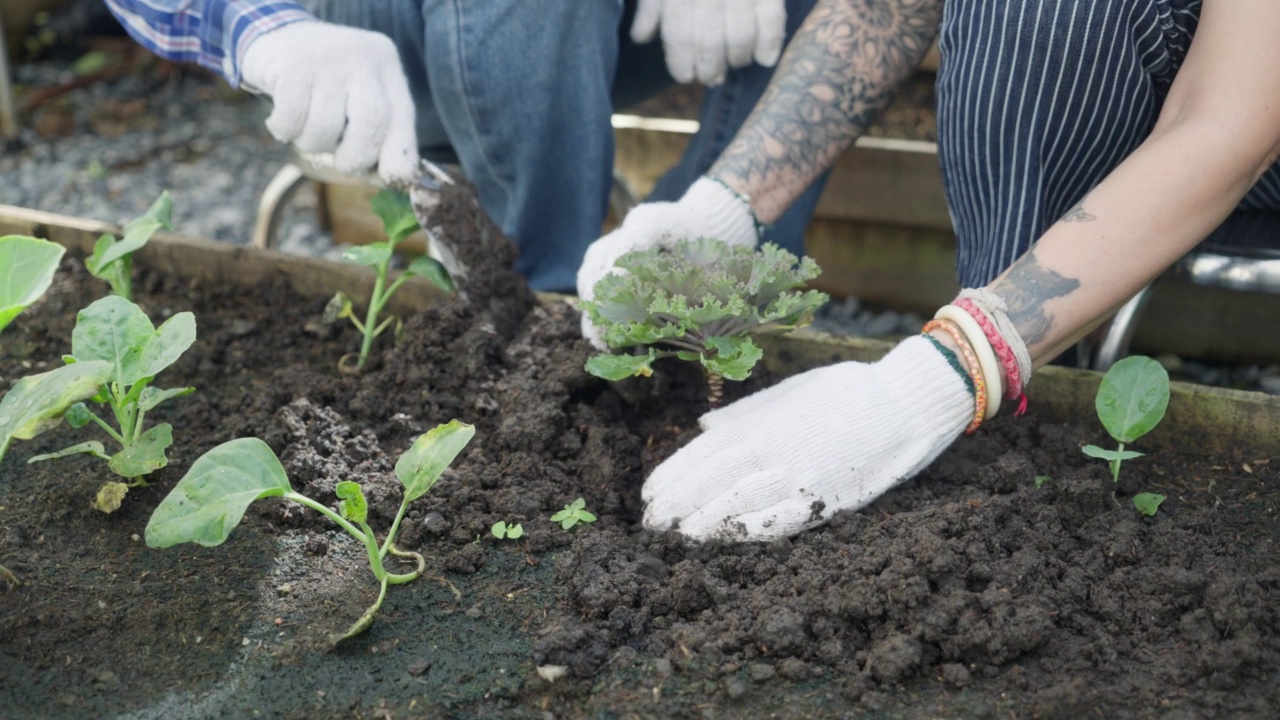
pixel 727 213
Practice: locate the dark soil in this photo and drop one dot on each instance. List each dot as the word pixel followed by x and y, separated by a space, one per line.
pixel 968 592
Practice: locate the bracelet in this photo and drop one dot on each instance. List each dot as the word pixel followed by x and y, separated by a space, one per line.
pixel 971 367
pixel 1002 350
pixel 982 348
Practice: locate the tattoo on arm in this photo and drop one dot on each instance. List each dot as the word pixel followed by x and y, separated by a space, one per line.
pixel 840 70
pixel 1077 213
pixel 1025 289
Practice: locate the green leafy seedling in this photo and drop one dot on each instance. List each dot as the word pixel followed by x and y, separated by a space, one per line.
pixel 399 222
pixel 573 513
pixel 699 300
pixel 1040 481
pixel 503 531
pixel 1148 503
pixel 28 266
pixel 1131 401
pixel 112 259
pixel 115 333
pixel 211 499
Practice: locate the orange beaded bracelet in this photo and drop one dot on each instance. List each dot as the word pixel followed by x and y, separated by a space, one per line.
pixel 971 366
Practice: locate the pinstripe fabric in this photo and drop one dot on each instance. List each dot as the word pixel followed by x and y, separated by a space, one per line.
pixel 1039 101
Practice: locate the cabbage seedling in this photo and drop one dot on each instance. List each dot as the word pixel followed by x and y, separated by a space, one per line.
pixel 112 259
pixel 503 531
pixel 210 500
pixel 115 333
pixel 1131 401
pixel 399 222
pixel 699 300
pixel 29 266
pixel 573 513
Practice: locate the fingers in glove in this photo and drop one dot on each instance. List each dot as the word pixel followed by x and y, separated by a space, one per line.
pixel 398 159
pixel 680 31
pixel 782 519
pixel 645 25
pixel 326 119
pixel 771 30
pixel 739 34
pixel 290 106
pixel 709 42
pixel 367 124
pixel 718 461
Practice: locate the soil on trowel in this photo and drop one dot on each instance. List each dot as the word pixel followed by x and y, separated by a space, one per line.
pixel 1005 581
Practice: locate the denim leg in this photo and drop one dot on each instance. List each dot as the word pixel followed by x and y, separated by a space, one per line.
pixel 520 91
pixel 724 109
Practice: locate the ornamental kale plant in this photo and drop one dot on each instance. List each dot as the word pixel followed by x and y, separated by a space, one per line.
pixel 115 340
pixel 1131 401
pixel 210 500
pixel 699 300
pixel 396 212
pixel 29 266
pixel 112 259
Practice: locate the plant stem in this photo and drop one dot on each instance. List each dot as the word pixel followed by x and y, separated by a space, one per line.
pixel 366 619
pixel 395 527
pixel 103 424
pixel 371 315
pixel 126 278
pixel 715 389
pixel 341 521
pixel 1115 467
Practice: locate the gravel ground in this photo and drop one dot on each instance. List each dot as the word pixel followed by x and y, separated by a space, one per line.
pixel 107 150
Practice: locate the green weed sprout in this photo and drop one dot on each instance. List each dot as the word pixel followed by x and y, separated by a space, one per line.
pixel 112 260
pixel 503 531
pixel 211 499
pixel 399 222
pixel 699 300
pixel 1131 401
pixel 573 513
pixel 115 334
pixel 29 267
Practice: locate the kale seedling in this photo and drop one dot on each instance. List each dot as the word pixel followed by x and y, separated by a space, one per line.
pixel 116 333
pixel 573 513
pixel 1131 401
pixel 210 500
pixel 30 264
pixel 112 259
pixel 399 222
pixel 503 531
pixel 699 300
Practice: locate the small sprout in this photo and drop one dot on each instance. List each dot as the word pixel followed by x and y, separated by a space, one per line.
pixel 699 300
pixel 112 260
pixel 399 222
pixel 1131 401
pixel 114 335
pixel 211 499
pixel 1041 480
pixel 503 531
pixel 1148 503
pixel 31 263
pixel 573 513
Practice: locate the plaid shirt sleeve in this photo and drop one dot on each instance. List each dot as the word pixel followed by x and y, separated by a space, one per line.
pixel 212 33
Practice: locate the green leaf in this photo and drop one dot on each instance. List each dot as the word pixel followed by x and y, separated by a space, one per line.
pixel 423 463
pixel 396 212
pixel 28 266
pixel 1148 503
pixel 374 255
pixel 503 531
pixel 338 307
pixel 1105 454
pixel 117 331
pixel 431 269
pixel 209 501
pixel 79 415
pixel 92 447
pixel 734 357
pixel 136 234
pixel 1132 398
pixel 37 402
pixel 586 516
pixel 619 367
pixel 1041 480
pixel 146 455
pixel 499 530
pixel 152 397
pixel 515 532
pixel 353 506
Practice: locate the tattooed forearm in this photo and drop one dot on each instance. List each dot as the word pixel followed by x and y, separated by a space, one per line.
pixel 1025 288
pixel 1077 213
pixel 840 70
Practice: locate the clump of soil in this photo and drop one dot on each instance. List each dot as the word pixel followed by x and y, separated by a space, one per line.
pixel 968 591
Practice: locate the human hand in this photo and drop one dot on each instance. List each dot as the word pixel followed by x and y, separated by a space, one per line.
pixel 703 38
pixel 835 438
pixel 337 90
pixel 708 209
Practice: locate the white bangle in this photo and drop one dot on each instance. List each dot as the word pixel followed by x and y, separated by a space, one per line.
pixel 990 365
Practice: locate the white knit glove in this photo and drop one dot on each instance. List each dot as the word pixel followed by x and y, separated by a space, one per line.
pixel 708 209
pixel 337 90
pixel 703 38
pixel 783 460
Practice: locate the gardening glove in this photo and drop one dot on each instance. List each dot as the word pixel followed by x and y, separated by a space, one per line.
pixel 835 438
pixel 703 38
pixel 337 90
pixel 708 209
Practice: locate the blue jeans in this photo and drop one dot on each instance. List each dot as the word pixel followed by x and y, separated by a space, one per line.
pixel 520 93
